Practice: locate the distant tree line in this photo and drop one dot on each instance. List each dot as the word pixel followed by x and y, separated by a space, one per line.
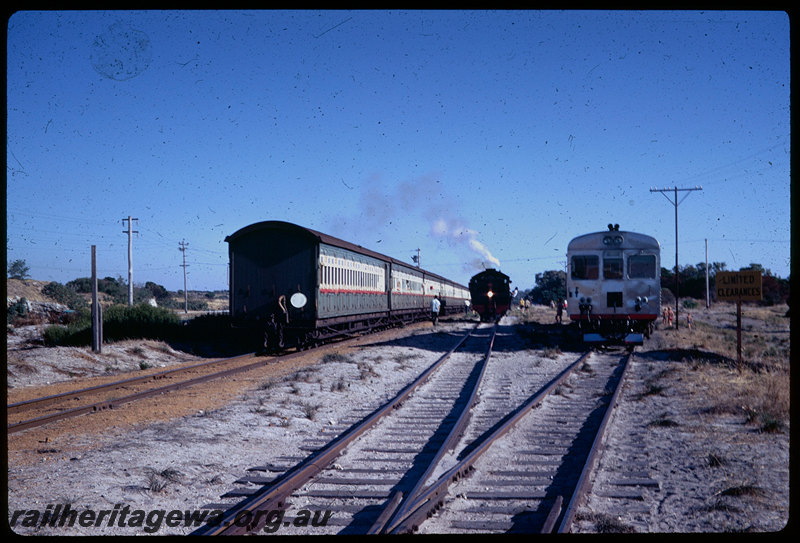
pixel 692 282
pixel 551 285
pixel 116 288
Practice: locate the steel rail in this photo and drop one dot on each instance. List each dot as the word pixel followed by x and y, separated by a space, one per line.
pixel 76 394
pixel 432 498
pixel 582 485
pixel 246 516
pixel 116 402
pixel 399 509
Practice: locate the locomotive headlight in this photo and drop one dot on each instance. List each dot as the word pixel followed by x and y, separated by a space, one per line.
pixel 490 294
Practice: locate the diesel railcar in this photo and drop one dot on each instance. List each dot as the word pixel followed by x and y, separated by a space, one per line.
pixel 614 286
pixel 490 291
pixel 299 287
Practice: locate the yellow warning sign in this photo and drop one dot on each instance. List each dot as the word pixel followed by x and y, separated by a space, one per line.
pixel 742 285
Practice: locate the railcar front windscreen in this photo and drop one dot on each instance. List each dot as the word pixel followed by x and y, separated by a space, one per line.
pixel 642 266
pixel 612 266
pixel 585 267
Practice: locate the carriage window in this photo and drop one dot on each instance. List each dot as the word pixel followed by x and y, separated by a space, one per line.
pixel 612 267
pixel 642 266
pixel 585 267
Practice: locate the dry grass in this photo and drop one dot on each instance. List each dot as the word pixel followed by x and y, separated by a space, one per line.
pixel 157 481
pixel 763 397
pixel 663 421
pixel 29 289
pixel 606 524
pixel 759 387
pixel 765 336
pixel 309 410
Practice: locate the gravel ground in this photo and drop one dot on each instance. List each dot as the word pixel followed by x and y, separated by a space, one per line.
pixel 717 472
pixel 183 463
pixel 29 364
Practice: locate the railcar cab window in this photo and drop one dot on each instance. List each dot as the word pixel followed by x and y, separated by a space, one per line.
pixel 585 267
pixel 642 266
pixel 612 265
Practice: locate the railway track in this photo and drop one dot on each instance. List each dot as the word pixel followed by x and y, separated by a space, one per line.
pixel 449 388
pixel 387 475
pixel 534 478
pixel 40 411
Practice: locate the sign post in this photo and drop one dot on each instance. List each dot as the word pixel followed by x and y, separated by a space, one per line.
pixel 739 286
pixel 97 315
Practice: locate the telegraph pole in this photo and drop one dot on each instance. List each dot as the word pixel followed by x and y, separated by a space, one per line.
pixel 417 259
pixel 130 233
pixel 676 203
pixel 97 316
pixel 708 294
pixel 182 248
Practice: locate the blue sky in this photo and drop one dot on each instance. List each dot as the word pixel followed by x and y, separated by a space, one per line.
pixel 480 138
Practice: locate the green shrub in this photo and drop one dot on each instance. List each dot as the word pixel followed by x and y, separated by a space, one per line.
pixel 139 321
pixel 17 310
pixel 119 322
pixel 77 331
pixel 143 321
pixel 72 335
pixel 56 334
pixel 64 295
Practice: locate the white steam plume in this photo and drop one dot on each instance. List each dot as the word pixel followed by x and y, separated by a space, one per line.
pixel 379 205
pixel 457 233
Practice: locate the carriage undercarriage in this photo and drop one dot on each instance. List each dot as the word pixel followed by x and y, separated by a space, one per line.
pixel 305 335
pixel 614 331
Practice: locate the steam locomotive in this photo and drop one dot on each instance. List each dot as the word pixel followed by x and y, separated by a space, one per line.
pixel 490 292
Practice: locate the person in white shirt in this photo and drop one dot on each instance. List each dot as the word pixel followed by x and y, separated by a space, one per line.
pixel 435 305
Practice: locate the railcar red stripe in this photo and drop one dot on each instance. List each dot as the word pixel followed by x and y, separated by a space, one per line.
pixel 615 316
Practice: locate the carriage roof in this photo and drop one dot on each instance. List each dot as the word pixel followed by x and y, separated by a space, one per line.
pixel 606 240
pixel 320 237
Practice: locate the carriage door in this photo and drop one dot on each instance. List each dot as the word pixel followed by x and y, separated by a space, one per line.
pixel 387 270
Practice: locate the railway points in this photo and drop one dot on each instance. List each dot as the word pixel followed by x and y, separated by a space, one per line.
pixel 367 498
